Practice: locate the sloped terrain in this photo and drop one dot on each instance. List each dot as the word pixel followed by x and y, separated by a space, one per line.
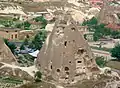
pixel 6 55
pixel 10 8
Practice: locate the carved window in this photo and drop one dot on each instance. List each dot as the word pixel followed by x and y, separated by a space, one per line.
pixel 79 61
pixel 51 66
pixel 16 36
pixel 11 36
pixel 0 53
pixel 58 70
pixel 65 43
pixel 70 62
pixel 67 73
pixel 7 31
pixel 73 29
pixel 66 69
pixel 80 51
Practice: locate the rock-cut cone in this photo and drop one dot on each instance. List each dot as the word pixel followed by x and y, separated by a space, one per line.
pixel 66 56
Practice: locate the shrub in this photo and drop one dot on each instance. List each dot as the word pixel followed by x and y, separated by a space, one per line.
pixel 100 61
pixel 38 76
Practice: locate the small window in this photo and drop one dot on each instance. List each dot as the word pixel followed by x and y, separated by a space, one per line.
pixel 15 35
pixel 63 27
pixel 80 51
pixel 65 43
pixel 7 31
pixel 11 36
pixel 58 70
pixel 70 62
pixel 51 66
pixel 79 61
pixel 66 69
pixel 73 29
pixel 27 36
pixel 57 31
pixel 67 73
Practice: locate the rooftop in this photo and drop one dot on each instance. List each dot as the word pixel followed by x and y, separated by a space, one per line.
pixel 9 29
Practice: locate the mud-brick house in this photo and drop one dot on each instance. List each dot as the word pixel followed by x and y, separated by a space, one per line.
pixel 26 34
pixel 16 34
pixel 9 33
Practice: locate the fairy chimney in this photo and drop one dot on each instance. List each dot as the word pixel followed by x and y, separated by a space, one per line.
pixel 65 55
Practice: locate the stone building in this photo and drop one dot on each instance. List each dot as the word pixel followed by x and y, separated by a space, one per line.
pixel 66 56
pixel 9 33
pixel 16 34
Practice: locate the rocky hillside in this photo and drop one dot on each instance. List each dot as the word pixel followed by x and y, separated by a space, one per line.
pixel 10 8
pixel 6 55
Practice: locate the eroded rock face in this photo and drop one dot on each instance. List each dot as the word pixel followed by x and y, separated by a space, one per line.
pixel 66 55
pixel 12 71
pixel 6 54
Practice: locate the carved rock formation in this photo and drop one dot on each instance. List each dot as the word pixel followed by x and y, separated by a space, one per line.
pixel 66 55
pixel 6 55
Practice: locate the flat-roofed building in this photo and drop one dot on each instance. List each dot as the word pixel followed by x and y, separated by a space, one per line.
pixel 9 33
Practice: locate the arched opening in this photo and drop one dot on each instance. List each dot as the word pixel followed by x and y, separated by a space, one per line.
pixel 70 62
pixel 65 43
pixel 79 61
pixel 51 66
pixel 27 36
pixel 80 51
pixel 66 69
pixel 58 70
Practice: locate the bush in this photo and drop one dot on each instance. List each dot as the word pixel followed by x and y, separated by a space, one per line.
pixel 11 45
pixel 115 52
pixel 38 40
pixel 100 61
pixel 38 76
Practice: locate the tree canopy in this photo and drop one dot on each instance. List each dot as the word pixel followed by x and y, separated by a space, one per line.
pixel 115 52
pixel 92 21
pixel 42 20
pixel 38 40
pixel 100 31
pixel 11 45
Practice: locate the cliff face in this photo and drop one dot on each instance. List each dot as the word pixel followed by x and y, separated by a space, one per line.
pixel 6 55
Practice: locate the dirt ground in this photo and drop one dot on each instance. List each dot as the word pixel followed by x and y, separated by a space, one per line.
pixel 37 85
pixel 114 64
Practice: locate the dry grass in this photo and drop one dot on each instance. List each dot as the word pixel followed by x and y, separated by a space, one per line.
pixel 113 64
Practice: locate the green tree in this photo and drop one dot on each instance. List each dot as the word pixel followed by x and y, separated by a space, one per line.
pixel 91 22
pixel 25 43
pixel 38 76
pixel 26 25
pixel 11 45
pixel 18 25
pixel 115 34
pixel 42 20
pixel 115 52
pixel 38 40
pixel 22 47
pixel 100 61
